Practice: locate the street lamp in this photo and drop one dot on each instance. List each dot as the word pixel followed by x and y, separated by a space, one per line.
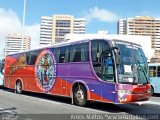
pixel 23 24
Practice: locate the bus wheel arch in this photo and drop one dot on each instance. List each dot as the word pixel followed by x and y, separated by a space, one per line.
pixel 152 90
pixel 79 94
pixel 18 86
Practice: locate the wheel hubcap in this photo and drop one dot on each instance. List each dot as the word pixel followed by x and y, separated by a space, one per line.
pixel 80 96
pixel 18 87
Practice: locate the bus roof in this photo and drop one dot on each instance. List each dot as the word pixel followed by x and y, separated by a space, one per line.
pixel 74 41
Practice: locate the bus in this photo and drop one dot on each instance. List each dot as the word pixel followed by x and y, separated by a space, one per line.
pixel 95 69
pixel 154 74
pixel 1 71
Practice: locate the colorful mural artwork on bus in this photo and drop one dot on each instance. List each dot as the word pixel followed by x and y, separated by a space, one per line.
pixel 45 69
pixel 20 63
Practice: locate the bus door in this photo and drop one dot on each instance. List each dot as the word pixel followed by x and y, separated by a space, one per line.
pixel 107 75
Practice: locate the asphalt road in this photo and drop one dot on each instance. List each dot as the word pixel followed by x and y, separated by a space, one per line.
pixel 33 106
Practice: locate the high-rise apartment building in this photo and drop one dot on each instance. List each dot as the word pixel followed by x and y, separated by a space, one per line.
pixel 13 43
pixel 46 30
pixel 53 29
pixel 79 26
pixel 142 25
pixel 121 27
pixel 62 24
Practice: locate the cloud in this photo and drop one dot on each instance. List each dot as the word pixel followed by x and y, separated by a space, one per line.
pixel 34 32
pixel 10 23
pixel 101 15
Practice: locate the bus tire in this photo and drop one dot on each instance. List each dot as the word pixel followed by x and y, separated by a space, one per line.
pixel 19 87
pixel 80 95
pixel 152 91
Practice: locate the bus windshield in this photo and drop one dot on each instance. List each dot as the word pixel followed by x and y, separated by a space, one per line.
pixel 133 66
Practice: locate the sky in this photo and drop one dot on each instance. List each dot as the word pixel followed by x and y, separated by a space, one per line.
pixel 100 14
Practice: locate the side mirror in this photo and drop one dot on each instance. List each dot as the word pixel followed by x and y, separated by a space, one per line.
pixel 117 55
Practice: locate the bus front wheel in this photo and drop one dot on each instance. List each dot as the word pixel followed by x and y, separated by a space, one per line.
pixel 18 87
pixel 80 95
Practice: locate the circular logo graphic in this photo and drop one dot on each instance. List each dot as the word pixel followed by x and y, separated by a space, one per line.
pixel 46 69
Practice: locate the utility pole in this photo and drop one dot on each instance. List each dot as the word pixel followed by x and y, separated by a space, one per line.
pixel 23 24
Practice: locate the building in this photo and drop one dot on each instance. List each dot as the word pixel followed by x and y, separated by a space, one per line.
pixel 53 29
pixel 121 26
pixel 13 43
pixel 143 26
pixel 62 24
pixel 79 26
pixel 46 30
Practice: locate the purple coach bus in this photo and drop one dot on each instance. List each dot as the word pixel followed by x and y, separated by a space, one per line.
pixel 105 70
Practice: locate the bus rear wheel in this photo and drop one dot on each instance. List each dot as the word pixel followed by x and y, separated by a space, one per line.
pixel 19 87
pixel 80 95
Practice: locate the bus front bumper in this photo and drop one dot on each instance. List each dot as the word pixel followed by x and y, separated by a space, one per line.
pixel 134 98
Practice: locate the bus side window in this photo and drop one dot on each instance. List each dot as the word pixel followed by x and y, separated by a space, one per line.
pixel 98 47
pixel 152 71
pixel 62 54
pixel 57 53
pixel 2 66
pixel 27 58
pixel 75 55
pixel 79 53
pixel 32 56
pixel 96 57
pixel 158 71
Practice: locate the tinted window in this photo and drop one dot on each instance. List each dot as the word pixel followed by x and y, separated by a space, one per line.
pixel 152 71
pixel 102 61
pixel 79 53
pixel 62 54
pixel 158 71
pixel 2 66
pixel 27 58
pixel 31 57
pixel 97 48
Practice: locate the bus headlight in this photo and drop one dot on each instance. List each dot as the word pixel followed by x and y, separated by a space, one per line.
pixel 149 90
pixel 121 93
